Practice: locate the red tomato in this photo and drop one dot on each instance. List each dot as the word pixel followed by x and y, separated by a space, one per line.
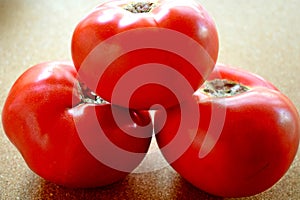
pixel 131 53
pixel 55 126
pixel 245 140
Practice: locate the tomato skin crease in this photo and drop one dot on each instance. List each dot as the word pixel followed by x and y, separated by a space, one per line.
pixel 257 144
pixel 41 117
pixel 110 20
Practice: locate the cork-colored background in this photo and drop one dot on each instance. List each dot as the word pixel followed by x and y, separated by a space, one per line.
pixel 260 36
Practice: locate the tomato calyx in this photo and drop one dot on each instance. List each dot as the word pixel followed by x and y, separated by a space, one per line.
pixel 87 96
pixel 223 88
pixel 140 7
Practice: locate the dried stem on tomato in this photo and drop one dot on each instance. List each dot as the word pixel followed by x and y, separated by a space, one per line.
pixel 89 97
pixel 223 88
pixel 140 7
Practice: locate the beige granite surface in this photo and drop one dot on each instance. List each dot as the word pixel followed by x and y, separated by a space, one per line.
pixel 261 36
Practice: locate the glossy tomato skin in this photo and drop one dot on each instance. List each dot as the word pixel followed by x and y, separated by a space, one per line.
pixel 258 139
pixel 165 35
pixel 42 115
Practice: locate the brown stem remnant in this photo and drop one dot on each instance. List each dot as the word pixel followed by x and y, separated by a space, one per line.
pixel 140 7
pixel 223 88
pixel 89 97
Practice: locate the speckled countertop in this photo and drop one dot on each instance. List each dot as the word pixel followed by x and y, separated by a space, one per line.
pixel 261 36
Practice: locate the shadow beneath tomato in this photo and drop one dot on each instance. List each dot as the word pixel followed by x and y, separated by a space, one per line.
pixel 160 184
pixel 185 191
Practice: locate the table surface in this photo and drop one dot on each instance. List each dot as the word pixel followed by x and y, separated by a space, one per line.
pixel 260 36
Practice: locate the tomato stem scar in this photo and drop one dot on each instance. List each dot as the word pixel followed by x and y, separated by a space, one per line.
pixel 223 88
pixel 139 7
pixel 89 97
